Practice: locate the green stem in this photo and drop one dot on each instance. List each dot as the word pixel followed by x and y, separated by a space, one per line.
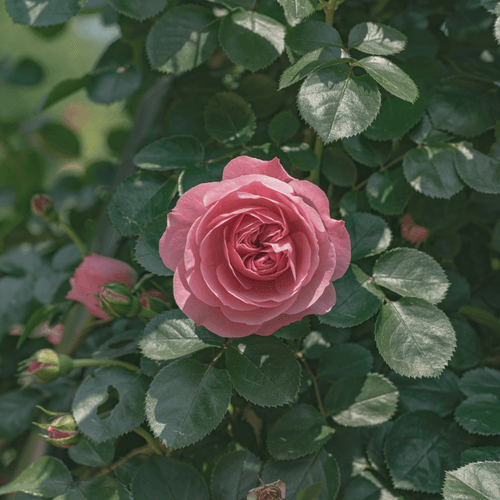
pixel 227 155
pixel 74 237
pixel 82 363
pixel 148 438
pixel 315 384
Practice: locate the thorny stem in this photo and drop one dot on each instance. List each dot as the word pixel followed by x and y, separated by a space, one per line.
pixel 149 439
pixel 315 384
pixel 143 450
pixel 73 237
pixel 227 155
pixel 382 169
pixel 141 281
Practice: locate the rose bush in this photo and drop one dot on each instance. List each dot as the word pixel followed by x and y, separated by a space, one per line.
pixel 94 272
pixel 254 252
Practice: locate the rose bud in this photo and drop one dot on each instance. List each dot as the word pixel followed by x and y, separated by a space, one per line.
pixel 43 206
pixel 118 301
pixel 412 232
pixel 52 334
pixel 273 491
pixel 154 300
pixel 62 432
pixel 45 366
pixel 94 272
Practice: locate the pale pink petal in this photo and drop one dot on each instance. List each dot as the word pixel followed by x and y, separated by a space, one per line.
pixel 246 165
pixel 342 242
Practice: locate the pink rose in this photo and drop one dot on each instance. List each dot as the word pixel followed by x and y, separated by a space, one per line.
pixel 254 252
pixel 412 232
pixel 94 272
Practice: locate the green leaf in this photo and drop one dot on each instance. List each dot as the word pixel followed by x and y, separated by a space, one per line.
pixel 414 337
pixel 418 449
pixel 186 401
pixel 304 472
pixel 47 477
pixel 344 360
pixel 376 39
pixel 481 381
pixel 95 391
pixel 431 171
pixel 60 140
pixel 92 454
pixel 425 133
pixel 369 234
pixel 482 454
pixel 251 39
pixel 283 127
pixel 172 334
pixel 301 430
pixel 480 414
pixel 388 192
pixel 61 91
pixel 296 10
pixel 311 492
pixel 25 72
pixel 323 56
pixel 337 104
pixel 411 273
pixel 440 395
pixel 229 119
pixel 362 488
pixel 108 86
pixel 395 119
pixel 468 353
pixel 362 401
pixel 138 200
pixel 301 156
pixel 492 6
pixel 466 109
pixel 338 167
pixel 389 76
pixel 169 153
pixel 138 10
pixel 480 316
pixel 295 330
pixel 477 481
pixel 146 248
pixel 318 342
pixel 263 370
pixel 101 488
pixel 366 152
pixel 477 170
pixel 261 92
pixel 358 299
pixel 309 36
pixel 234 475
pixel 17 411
pixel 182 39
pixel 38 13
pixel 168 479
pixel 354 201
pixel 458 293
pixel 495 237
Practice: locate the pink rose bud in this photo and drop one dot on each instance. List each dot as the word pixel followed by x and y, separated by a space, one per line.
pixel 94 272
pixel 118 301
pixel 52 334
pixel 273 491
pixel 154 300
pixel 44 366
pixel 62 432
pixel 255 251
pixel 412 232
pixel 43 206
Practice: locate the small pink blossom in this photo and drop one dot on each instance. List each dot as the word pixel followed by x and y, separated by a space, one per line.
pixel 413 232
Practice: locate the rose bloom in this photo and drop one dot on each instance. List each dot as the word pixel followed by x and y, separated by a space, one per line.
pixel 413 232
pixel 94 272
pixel 254 252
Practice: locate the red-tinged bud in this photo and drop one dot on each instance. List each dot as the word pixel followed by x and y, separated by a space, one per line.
pixel 44 366
pixel 413 232
pixel 43 206
pixel 118 301
pixel 62 431
pixel 273 491
pixel 155 300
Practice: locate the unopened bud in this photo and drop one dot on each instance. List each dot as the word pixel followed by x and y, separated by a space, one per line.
pixel 44 366
pixel 118 301
pixel 43 206
pixel 273 491
pixel 154 300
pixel 62 431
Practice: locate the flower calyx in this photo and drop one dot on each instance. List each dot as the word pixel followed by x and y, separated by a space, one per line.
pixel 44 366
pixel 62 431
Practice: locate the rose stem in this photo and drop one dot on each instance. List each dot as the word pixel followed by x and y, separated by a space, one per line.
pixel 315 383
pixel 81 363
pixel 149 439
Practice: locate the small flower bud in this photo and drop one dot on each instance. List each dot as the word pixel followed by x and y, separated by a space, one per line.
pixel 413 232
pixel 44 366
pixel 154 300
pixel 62 431
pixel 43 206
pixel 273 491
pixel 118 301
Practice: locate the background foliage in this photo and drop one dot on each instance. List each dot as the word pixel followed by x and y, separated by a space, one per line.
pixel 393 108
